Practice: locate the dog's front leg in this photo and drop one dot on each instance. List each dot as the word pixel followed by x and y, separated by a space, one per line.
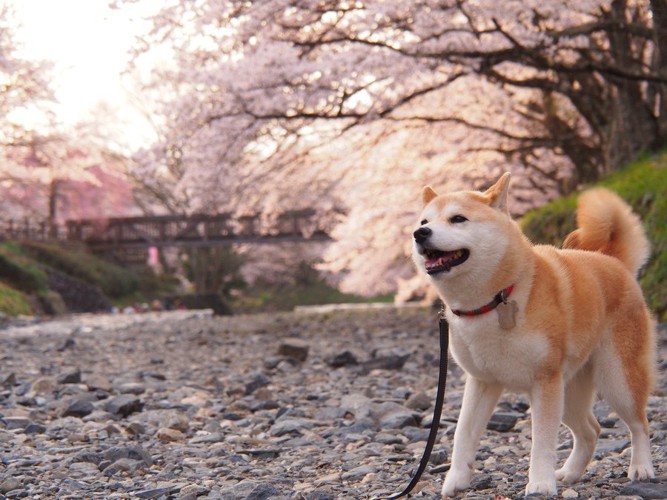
pixel 547 409
pixel 479 399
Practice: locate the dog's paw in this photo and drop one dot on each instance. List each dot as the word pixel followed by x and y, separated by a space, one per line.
pixel 641 472
pixel 542 488
pixel 455 481
pixel 568 476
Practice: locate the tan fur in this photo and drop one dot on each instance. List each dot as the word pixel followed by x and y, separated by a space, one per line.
pixel 606 224
pixel 582 326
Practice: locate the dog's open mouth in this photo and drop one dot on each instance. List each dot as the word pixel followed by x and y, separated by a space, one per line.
pixel 438 261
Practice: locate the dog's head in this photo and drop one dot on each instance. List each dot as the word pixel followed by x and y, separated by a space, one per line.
pixel 462 231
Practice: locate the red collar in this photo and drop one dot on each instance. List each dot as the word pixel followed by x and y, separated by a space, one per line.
pixel 500 298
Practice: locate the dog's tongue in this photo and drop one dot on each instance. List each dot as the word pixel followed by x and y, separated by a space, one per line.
pixel 438 261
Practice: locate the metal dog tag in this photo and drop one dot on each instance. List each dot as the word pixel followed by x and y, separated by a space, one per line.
pixel 507 314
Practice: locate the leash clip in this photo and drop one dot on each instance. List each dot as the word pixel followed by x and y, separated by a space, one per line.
pixel 504 295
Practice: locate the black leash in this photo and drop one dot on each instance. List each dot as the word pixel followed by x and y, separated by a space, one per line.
pixel 437 411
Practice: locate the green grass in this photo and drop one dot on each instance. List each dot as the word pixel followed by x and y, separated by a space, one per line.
pixel 643 184
pixel 19 271
pixel 13 302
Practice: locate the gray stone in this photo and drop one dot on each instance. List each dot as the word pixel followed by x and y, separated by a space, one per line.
pixel 398 419
pixel 394 416
pixel 135 452
pixel 214 437
pixel 345 358
pixel 7 379
pixel 263 492
pixel 357 404
pixel 607 446
pixel 68 343
pixel 503 421
pixel 647 490
pixel 391 362
pixel 135 388
pixel 358 472
pixel 33 428
pixel 16 422
pixel 78 408
pixel 419 401
pixel 72 376
pixel 438 457
pixel 290 426
pixel 258 380
pixel 127 465
pixel 191 492
pixel 10 484
pixel 320 495
pixel 89 457
pixel 481 482
pixel 294 348
pixel 124 405
pixel 162 492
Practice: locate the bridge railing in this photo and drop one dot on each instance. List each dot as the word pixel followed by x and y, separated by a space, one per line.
pixel 164 230
pixel 27 229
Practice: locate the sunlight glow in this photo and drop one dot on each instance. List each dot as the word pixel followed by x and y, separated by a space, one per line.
pixel 88 44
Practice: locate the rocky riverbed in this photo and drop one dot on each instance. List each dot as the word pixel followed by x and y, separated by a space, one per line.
pixel 310 406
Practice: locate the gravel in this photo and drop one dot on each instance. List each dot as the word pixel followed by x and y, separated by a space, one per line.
pixel 313 406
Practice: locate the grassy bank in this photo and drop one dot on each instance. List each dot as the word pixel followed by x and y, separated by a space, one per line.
pixel 43 278
pixel 50 279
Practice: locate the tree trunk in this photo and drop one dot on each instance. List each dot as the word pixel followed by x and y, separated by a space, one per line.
pixel 54 188
pixel 659 11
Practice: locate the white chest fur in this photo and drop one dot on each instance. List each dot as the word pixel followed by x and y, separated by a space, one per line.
pixel 486 351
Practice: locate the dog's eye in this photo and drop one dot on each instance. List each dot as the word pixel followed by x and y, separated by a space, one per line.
pixel 424 221
pixel 457 219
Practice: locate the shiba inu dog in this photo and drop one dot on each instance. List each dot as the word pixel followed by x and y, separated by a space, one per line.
pixel 559 325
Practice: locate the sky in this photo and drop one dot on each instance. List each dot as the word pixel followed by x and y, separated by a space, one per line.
pixel 88 42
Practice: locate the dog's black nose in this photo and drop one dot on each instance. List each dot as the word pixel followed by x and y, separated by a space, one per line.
pixel 422 234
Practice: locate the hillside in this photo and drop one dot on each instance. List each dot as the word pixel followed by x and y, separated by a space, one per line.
pixel 643 184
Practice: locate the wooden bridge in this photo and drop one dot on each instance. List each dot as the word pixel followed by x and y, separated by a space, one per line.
pixel 180 230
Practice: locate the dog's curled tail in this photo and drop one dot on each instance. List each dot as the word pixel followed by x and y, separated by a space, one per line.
pixel 607 224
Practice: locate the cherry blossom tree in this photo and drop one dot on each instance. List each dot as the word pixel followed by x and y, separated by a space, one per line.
pixel 24 87
pixel 24 95
pixel 264 106
pixel 49 173
pixel 52 178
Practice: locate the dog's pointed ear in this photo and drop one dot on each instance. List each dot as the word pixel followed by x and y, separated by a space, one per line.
pixel 428 194
pixel 497 193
